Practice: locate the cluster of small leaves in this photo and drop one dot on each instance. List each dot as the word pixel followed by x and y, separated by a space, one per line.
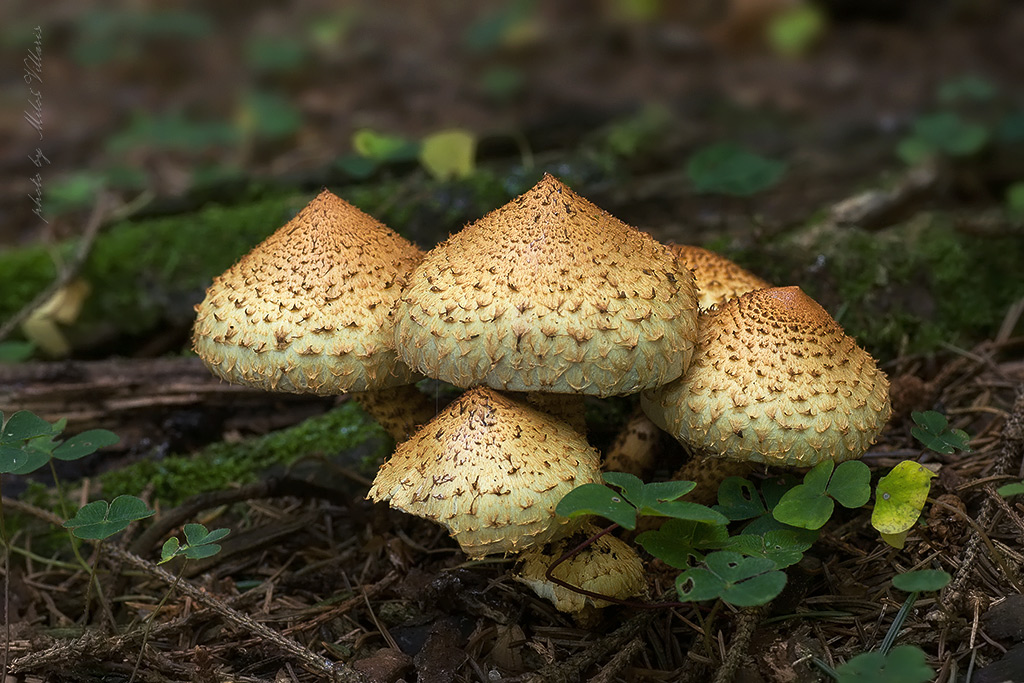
pixel 778 521
pixel 28 442
pixel 743 569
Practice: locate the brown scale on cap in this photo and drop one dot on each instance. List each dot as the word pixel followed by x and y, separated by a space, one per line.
pixel 310 309
pixel 549 293
pixel 775 380
pixel 491 470
pixel 718 278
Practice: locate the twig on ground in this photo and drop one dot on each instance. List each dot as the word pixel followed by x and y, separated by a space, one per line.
pixel 739 647
pixel 619 662
pixel 571 668
pixel 339 672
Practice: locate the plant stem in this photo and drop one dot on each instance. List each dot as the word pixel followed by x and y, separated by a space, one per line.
pixel 152 617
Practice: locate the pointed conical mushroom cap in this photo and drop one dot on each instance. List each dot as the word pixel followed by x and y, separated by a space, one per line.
pixel 718 278
pixel 775 380
pixel 607 566
pixel 549 293
pixel 491 470
pixel 310 309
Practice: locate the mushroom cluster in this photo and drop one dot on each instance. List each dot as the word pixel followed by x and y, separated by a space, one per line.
pixel 538 303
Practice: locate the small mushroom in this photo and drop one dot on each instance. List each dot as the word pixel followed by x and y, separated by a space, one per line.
pixel 775 380
pixel 311 310
pixel 549 294
pixel 607 566
pixel 491 470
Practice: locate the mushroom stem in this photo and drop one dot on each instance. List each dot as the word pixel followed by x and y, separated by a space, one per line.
pixel 399 410
pixel 566 407
pixel 635 449
pixel 709 472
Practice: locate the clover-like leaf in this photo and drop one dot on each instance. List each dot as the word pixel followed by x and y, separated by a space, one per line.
pixel 900 496
pixel 169 550
pixel 24 425
pixel 678 540
pixel 784 547
pixel 807 505
pixel 850 484
pixel 24 460
pixel 84 444
pixel 738 580
pixel 630 484
pixel 903 664
pixel 738 499
pixel 804 508
pixel 99 520
pixel 922 580
pixel 933 431
pixel 660 499
pixel 775 486
pixel 595 499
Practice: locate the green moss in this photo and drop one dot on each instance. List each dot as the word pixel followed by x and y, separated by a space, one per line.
pixel 909 288
pixel 146 271
pixel 344 430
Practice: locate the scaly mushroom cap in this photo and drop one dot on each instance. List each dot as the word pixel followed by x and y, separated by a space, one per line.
pixel 310 309
pixel 549 293
pixel 607 566
pixel 774 380
pixel 718 278
pixel 491 470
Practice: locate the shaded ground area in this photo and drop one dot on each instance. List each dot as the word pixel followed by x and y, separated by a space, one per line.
pixel 204 129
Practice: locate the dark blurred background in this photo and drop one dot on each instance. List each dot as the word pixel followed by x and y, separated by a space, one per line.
pixel 795 105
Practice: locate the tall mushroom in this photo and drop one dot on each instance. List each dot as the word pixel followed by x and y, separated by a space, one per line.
pixel 549 294
pixel 491 470
pixel 775 380
pixel 311 310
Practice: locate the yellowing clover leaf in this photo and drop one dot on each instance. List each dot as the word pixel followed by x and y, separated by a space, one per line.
pixel 899 497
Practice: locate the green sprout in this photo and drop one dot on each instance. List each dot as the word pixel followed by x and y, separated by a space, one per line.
pixel 199 544
pixel 933 431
